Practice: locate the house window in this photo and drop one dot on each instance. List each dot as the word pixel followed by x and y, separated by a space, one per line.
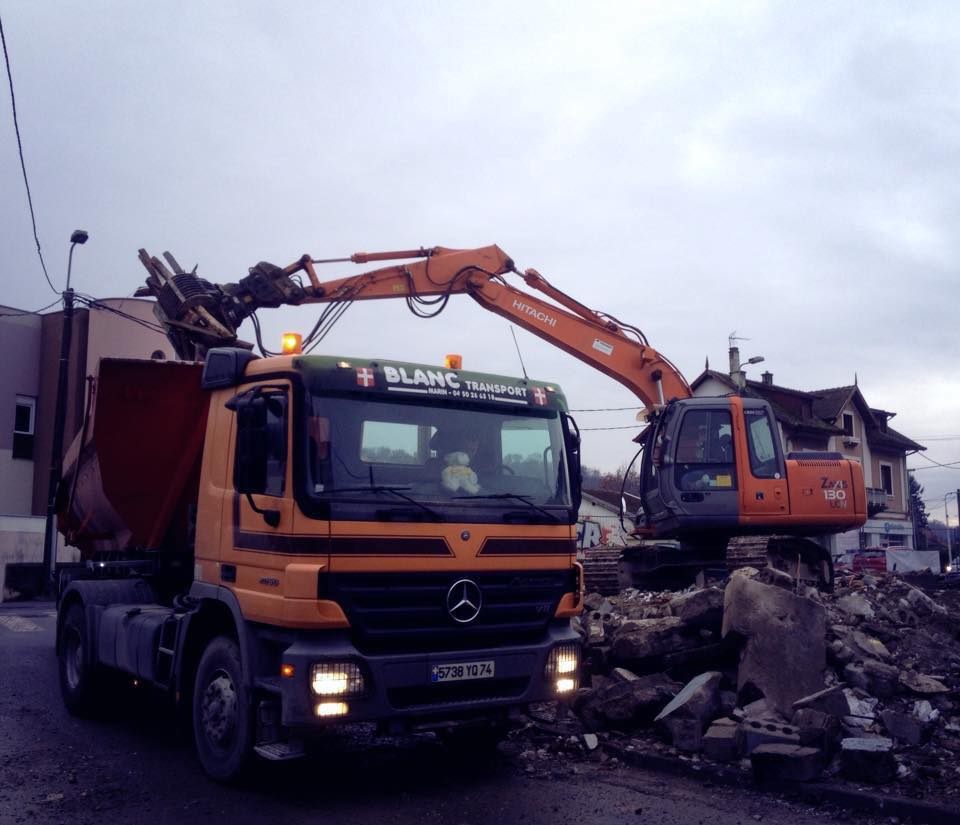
pixel 847 424
pixel 886 478
pixel 24 421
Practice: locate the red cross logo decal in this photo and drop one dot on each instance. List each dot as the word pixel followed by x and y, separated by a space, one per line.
pixel 539 396
pixel 365 377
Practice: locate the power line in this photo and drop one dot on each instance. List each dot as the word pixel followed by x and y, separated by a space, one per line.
pixel 590 429
pixel 609 409
pixel 954 465
pixel 23 166
pixel 19 313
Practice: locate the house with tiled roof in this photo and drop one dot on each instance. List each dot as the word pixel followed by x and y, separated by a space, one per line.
pixel 837 419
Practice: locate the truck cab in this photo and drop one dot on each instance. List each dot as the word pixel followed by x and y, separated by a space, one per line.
pixel 370 541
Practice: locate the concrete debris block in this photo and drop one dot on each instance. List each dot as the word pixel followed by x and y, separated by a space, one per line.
pixel 698 699
pixel 784 762
pixel 595 603
pixel 920 683
pixel 902 726
pixel 626 705
pixel 591 741
pixel 854 604
pixel 829 700
pixel 721 742
pixel 621 674
pixel 816 728
pixel 860 710
pixel 924 711
pixel 922 603
pixel 755 710
pixel 754 733
pixel 684 734
pixel 776 578
pixel 784 655
pixel 872 676
pixel 868 759
pixel 840 654
pixel 642 638
pixel 868 646
pixel 702 608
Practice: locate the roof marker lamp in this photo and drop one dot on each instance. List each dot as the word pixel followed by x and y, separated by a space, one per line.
pixel 291 343
pixel 453 362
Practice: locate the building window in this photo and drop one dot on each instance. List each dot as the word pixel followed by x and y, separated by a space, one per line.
pixel 23 427
pixel 847 424
pixel 886 478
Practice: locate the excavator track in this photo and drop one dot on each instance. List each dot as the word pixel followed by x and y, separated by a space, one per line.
pixel 666 565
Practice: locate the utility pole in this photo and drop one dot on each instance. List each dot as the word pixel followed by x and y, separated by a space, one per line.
pixel 60 415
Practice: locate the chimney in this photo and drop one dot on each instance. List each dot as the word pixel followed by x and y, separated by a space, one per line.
pixel 737 375
pixel 767 378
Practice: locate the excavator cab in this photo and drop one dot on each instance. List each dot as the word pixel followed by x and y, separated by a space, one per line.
pixel 711 466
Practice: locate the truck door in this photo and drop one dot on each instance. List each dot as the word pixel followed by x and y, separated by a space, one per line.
pixel 763 477
pixel 259 549
pixel 705 470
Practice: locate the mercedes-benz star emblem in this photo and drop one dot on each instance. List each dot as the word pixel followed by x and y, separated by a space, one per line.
pixel 464 601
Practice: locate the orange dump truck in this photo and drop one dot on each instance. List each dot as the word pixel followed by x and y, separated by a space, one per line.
pixel 286 543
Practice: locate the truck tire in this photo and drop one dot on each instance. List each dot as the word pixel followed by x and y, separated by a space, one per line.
pixel 80 682
pixel 223 727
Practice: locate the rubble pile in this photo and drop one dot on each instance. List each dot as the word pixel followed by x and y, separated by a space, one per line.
pixel 762 671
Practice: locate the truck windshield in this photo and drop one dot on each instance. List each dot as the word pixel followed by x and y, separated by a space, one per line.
pixel 446 456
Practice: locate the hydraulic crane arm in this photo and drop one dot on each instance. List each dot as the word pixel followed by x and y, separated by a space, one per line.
pixel 198 314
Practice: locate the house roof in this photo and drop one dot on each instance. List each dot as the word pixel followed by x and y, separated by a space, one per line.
pixel 611 499
pixel 826 406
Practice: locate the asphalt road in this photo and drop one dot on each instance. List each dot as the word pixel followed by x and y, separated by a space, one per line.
pixel 138 766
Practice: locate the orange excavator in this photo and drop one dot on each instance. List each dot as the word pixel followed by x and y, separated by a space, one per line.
pixel 712 468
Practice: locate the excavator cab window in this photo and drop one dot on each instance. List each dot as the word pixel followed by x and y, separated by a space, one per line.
pixel 704 451
pixel 763 453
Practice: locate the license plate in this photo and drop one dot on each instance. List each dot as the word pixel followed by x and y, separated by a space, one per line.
pixel 460 671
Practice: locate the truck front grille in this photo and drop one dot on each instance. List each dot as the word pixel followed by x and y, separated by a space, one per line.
pixel 407 612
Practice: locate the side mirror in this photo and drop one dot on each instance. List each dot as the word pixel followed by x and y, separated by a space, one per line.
pixel 250 461
pixel 571 437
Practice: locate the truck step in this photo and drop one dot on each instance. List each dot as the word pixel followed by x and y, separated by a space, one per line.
pixel 280 751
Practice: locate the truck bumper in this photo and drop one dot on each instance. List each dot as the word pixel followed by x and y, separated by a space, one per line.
pixel 403 690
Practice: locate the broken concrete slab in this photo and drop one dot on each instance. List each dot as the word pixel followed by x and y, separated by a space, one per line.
pixel 903 726
pixel 625 705
pixel 868 759
pixel 854 604
pixel 700 608
pixel 829 700
pixel 698 699
pixel 792 763
pixel 921 683
pixel 721 742
pixel 684 733
pixel 643 638
pixel 784 655
pixel 922 603
pixel 868 646
pixel 872 676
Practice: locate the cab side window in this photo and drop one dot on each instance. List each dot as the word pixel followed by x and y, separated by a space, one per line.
pixel 704 456
pixel 260 464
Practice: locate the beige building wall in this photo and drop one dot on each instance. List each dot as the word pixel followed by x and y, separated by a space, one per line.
pixel 896 503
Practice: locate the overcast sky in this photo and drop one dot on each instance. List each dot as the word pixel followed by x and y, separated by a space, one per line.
pixel 785 170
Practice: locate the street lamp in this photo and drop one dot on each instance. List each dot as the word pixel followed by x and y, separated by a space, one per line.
pixel 946 518
pixel 60 414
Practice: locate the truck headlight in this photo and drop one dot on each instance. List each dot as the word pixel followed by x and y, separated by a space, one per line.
pixel 563 668
pixel 337 679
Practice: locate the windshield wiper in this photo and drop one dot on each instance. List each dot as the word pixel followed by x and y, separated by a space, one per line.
pixel 396 490
pixel 515 497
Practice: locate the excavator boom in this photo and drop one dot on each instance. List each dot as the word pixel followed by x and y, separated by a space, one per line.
pixel 200 315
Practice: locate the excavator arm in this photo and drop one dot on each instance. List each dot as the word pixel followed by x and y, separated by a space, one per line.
pixel 198 314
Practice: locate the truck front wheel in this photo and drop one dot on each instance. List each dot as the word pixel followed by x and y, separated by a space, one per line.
pixel 222 717
pixel 80 682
